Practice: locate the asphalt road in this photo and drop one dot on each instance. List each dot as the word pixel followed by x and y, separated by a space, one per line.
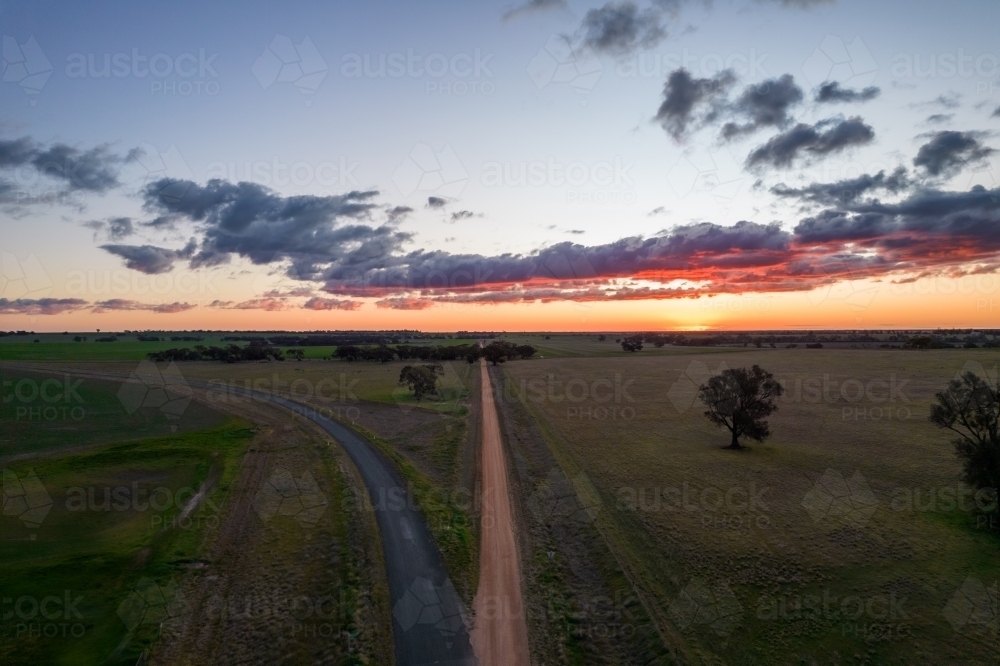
pixel 428 623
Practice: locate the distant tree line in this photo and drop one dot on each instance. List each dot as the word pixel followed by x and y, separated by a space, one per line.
pixel 257 350
pixel 260 349
pixel 497 351
pixel 634 342
pixel 355 338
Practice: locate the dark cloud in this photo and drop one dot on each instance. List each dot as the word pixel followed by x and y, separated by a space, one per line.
pixel 621 28
pixel 996 113
pixel 831 92
pixel 950 100
pixel 823 138
pixel 41 306
pixel 462 215
pixel 436 202
pixel 266 304
pixel 764 104
pixel 120 227
pixel 948 152
pixel 928 230
pixel 256 223
pixel 150 259
pixel 116 304
pixel 402 303
pixel 801 4
pixel 317 303
pixel 939 118
pixel 533 6
pixel 566 263
pixel 848 190
pixel 397 213
pixel 62 170
pixel 690 101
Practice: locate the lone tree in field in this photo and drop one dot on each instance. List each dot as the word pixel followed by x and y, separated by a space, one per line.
pixel 422 379
pixel 970 407
pixel 741 400
pixel 632 343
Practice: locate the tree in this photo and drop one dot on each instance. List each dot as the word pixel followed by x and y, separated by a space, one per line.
pixel 422 379
pixel 632 343
pixel 602 338
pixel 741 400
pixel 347 353
pixel 297 354
pixel 970 408
pixel 499 351
pixel 525 351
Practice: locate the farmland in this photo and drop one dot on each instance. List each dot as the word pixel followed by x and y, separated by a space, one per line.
pixel 845 537
pixel 747 556
pixel 134 531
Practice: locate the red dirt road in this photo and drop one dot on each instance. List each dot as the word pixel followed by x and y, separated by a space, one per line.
pixel 500 637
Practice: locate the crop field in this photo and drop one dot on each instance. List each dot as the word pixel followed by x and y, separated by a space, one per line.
pixel 845 538
pixel 128 529
pixel 89 550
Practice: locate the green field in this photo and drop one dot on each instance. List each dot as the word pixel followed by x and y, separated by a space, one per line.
pixel 49 412
pixel 92 553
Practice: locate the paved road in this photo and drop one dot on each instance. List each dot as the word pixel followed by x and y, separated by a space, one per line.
pixel 428 616
pixel 501 634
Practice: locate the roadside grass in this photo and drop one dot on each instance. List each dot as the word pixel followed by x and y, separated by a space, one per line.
pixel 447 518
pixel 96 552
pixel 340 389
pixel 674 506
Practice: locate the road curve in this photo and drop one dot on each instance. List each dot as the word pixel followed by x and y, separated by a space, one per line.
pixel 428 622
pixel 428 617
pixel 500 637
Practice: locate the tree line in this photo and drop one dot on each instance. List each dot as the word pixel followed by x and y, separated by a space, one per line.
pixel 260 349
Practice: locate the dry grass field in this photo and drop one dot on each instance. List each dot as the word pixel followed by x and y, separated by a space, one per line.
pixel 844 538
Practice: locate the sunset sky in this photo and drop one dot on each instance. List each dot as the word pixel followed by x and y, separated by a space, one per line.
pixel 551 165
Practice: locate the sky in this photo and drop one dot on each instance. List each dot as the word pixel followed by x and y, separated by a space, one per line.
pixel 550 165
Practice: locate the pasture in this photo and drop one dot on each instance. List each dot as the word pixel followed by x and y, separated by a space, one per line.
pixel 844 538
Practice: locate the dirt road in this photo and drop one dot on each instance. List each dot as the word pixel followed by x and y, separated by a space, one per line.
pixel 500 637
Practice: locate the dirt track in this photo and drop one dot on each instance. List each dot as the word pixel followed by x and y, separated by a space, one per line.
pixel 500 637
